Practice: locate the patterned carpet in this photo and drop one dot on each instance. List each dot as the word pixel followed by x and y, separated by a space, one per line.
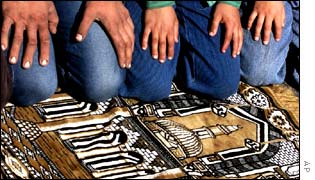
pixel 253 134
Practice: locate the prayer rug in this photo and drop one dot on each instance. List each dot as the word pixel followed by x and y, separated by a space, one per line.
pixel 253 134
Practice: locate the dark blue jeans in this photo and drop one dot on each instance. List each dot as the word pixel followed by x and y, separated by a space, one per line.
pixel 148 79
pixel 202 67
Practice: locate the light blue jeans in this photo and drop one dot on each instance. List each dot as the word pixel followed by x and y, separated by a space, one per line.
pixel 89 70
pixel 265 64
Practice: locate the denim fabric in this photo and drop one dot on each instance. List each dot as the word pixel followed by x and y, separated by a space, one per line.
pixel 89 70
pixel 34 84
pixel 296 22
pixel 202 67
pixel 265 64
pixel 148 79
pixel 293 63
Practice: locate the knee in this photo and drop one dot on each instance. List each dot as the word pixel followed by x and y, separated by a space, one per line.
pixel 264 72
pixel 153 94
pixel 100 90
pixel 256 78
pixel 220 87
pixel 27 93
pixel 223 89
pixel 264 67
pixel 150 92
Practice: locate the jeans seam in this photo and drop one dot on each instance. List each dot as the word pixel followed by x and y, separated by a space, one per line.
pixel 187 37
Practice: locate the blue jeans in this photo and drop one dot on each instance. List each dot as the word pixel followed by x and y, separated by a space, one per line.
pixel 293 59
pixel 89 70
pixel 202 67
pixel 265 64
pixel 35 84
pixel 148 79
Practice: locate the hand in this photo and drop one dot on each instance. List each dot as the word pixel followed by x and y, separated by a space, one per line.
pixel 267 14
pixel 31 16
pixel 162 24
pixel 118 23
pixel 230 17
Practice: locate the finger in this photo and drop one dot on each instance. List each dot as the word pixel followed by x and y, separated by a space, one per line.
pixel 251 20
pixel 120 49
pixel 235 37
pixel 170 46
pixel 30 47
pixel 283 17
pixel 278 28
pixel 85 25
pixel 16 43
pixel 267 29
pixel 130 23
pixel 241 34
pixel 162 48
pixel 227 39
pixel 215 25
pixel 260 22
pixel 53 19
pixel 44 40
pixel 176 29
pixel 131 32
pixel 155 44
pixel 145 38
pixel 6 25
pixel 129 40
pixel 121 41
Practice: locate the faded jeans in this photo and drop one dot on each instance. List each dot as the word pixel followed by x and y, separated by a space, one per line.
pixel 89 70
pixel 265 64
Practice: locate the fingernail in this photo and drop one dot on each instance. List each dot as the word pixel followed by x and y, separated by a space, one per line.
pixel 2 47
pixel 256 38
pixel 234 55
pixel 211 33
pixel 238 53
pixel 223 51
pixel 54 31
pixel 144 48
pixel 12 60
pixel 27 65
pixel 278 39
pixel 44 62
pixel 124 65
pixel 265 42
pixel 129 66
pixel 79 37
pixel 176 40
pixel 170 58
pixel 155 56
pixel 162 60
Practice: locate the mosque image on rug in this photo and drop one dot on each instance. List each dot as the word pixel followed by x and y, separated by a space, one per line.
pixel 245 136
